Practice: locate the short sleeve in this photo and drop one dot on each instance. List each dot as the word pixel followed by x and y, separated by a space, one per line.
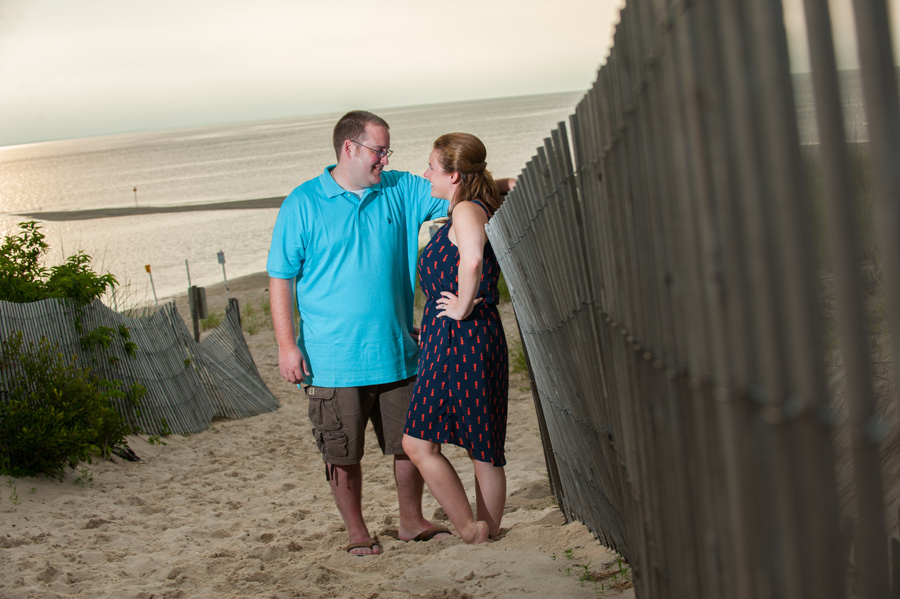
pixel 426 207
pixel 287 250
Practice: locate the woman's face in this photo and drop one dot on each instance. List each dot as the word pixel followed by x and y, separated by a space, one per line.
pixel 441 182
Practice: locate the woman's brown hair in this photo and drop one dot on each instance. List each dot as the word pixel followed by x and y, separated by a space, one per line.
pixel 465 154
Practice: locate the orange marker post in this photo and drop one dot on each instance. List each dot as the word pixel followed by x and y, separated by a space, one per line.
pixel 152 286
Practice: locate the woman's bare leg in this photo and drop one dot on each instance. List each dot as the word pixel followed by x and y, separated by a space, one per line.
pixel 444 484
pixel 490 494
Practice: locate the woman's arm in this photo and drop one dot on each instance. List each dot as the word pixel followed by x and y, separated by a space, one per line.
pixel 468 226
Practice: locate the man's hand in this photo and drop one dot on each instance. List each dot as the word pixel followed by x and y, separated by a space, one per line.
pixel 415 334
pixel 506 185
pixel 291 362
pixel 292 365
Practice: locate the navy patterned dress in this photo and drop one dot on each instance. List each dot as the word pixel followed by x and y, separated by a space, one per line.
pixel 462 387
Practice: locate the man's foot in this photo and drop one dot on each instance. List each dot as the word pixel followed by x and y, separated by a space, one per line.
pixel 370 547
pixel 425 534
pixel 434 532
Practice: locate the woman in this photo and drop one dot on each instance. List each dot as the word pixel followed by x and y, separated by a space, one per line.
pixel 460 395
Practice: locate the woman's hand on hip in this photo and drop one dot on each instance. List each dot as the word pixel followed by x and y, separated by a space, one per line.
pixel 449 306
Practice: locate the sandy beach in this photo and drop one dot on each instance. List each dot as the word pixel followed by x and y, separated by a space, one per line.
pixel 243 510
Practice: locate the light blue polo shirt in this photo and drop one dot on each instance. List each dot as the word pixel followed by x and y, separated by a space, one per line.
pixel 355 264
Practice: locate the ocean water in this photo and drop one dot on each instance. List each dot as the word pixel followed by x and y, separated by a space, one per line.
pixel 225 163
pixel 258 160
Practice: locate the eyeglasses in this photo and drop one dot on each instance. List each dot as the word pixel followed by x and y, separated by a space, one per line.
pixel 385 153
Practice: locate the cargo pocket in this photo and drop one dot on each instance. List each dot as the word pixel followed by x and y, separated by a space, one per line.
pixel 333 444
pixel 332 441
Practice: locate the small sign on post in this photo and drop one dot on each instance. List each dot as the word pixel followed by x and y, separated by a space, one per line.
pixel 221 257
pixel 152 286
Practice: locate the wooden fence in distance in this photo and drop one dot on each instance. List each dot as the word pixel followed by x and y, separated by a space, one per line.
pixel 704 333
pixel 187 383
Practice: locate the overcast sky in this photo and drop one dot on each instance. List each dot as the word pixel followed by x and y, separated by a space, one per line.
pixel 72 68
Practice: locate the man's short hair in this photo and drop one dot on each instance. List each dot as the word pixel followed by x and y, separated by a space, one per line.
pixel 353 126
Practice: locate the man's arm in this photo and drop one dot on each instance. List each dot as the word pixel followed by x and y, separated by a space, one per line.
pixel 291 363
pixel 505 185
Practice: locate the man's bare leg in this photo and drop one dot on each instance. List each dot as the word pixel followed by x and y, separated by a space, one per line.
pixel 346 487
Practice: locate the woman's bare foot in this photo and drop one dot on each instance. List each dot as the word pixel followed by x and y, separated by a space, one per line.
pixel 484 532
pixel 479 533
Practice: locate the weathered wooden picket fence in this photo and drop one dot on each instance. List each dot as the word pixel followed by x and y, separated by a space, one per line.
pixel 702 350
pixel 187 383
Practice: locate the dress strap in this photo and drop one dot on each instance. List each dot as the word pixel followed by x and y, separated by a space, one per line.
pixel 483 207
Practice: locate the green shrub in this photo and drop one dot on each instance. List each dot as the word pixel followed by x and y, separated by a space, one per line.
pixel 54 413
pixel 22 275
pixel 23 278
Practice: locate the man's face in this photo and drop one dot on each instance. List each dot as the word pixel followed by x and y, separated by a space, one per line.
pixel 365 166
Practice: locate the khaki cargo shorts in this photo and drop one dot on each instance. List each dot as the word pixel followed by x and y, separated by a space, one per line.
pixel 339 416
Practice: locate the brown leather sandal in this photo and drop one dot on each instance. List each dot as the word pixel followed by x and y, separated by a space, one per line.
pixel 362 544
pixel 430 533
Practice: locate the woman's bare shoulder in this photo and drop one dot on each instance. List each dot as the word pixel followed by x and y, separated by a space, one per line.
pixel 470 209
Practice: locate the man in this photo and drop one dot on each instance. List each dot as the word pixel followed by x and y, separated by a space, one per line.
pixel 349 238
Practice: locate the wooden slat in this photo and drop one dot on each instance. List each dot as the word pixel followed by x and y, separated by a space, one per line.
pixel 187 384
pixel 692 400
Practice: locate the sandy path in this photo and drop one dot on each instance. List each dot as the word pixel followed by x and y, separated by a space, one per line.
pixel 243 510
